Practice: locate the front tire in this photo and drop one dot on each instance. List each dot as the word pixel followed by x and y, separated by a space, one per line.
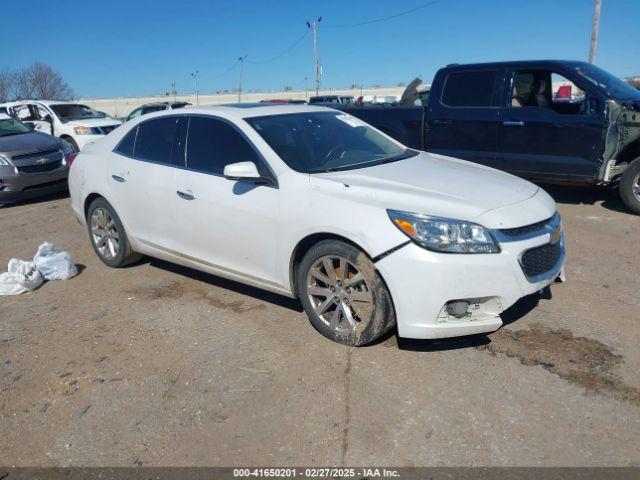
pixel 344 297
pixel 107 235
pixel 630 186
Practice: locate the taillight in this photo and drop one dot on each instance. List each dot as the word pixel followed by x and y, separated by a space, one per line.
pixel 70 158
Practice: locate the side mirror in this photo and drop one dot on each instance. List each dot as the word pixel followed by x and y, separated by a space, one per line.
pixel 241 171
pixel 47 118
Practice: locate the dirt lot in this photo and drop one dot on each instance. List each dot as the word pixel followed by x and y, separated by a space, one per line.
pixel 161 365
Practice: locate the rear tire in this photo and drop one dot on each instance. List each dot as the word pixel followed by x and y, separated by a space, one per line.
pixel 343 295
pixel 107 235
pixel 630 186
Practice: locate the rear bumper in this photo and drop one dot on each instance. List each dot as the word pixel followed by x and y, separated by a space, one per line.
pixel 422 282
pixel 18 187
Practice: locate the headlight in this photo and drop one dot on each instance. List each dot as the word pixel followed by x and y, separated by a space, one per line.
pixel 67 149
pixel 445 235
pixel 4 161
pixel 82 130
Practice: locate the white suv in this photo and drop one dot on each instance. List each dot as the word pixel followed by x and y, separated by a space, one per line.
pixel 76 123
pixel 315 204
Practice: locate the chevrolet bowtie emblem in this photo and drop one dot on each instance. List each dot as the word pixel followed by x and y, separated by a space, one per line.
pixel 42 160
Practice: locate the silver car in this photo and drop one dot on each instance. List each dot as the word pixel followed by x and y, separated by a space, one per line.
pixel 31 163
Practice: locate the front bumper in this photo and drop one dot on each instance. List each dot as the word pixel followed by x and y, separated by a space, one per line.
pixel 84 140
pixel 422 282
pixel 15 187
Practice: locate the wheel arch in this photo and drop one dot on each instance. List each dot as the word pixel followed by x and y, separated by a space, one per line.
pixel 304 245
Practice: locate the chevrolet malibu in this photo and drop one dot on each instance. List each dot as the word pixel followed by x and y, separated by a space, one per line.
pixel 314 204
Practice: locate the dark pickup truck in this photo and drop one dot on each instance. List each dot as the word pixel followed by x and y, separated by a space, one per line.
pixel 549 121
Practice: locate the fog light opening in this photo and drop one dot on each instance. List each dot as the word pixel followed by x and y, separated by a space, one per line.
pixel 458 308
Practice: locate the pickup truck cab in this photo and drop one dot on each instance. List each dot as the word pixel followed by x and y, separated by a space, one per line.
pixel 550 121
pixel 76 123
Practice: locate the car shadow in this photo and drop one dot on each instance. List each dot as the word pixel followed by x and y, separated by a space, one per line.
pixel 219 282
pixel 40 199
pixel 585 195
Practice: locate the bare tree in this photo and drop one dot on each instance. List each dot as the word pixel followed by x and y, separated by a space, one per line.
pixel 6 85
pixel 40 81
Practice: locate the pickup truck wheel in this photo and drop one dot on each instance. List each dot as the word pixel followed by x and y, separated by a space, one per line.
pixel 344 297
pixel 630 186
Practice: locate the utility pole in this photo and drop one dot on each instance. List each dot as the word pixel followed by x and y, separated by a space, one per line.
pixel 594 31
pixel 195 77
pixel 241 59
pixel 306 93
pixel 173 90
pixel 316 68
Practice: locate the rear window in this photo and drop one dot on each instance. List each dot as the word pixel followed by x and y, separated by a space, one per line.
pixel 154 141
pixel 469 89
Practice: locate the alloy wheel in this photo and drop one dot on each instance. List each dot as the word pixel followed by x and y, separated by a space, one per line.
pixel 636 187
pixel 339 293
pixel 104 233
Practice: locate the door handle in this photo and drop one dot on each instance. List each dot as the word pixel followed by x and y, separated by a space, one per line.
pixel 442 121
pixel 513 123
pixel 187 195
pixel 118 178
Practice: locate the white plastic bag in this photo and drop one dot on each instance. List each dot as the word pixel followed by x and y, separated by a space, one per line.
pixel 21 277
pixel 54 264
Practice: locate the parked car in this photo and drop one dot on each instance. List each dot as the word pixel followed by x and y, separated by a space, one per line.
pixel 155 107
pixel 337 99
pixel 311 203
pixel 75 123
pixel 31 163
pixel 504 115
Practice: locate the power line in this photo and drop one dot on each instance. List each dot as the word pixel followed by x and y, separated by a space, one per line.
pixel 383 19
pixel 228 70
pixel 282 54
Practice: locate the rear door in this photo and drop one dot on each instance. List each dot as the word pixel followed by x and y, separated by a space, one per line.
pixel 552 128
pixel 463 120
pixel 227 224
pixel 142 179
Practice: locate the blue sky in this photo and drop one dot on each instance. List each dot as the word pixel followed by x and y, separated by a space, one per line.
pixel 138 47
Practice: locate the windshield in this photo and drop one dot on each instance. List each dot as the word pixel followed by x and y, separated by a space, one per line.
pixel 314 142
pixel 11 126
pixel 75 111
pixel 614 86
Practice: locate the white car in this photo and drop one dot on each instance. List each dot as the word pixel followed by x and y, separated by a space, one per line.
pixel 76 123
pixel 311 203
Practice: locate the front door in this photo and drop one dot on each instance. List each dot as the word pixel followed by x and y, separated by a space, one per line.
pixel 550 129
pixel 227 224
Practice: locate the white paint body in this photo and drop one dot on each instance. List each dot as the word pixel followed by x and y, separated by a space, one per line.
pixel 249 233
pixel 57 127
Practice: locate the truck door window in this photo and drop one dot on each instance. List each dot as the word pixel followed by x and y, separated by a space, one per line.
pixel 470 89
pixel 24 113
pixel 545 89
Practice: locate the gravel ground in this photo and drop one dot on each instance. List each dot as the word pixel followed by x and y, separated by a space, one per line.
pixel 160 365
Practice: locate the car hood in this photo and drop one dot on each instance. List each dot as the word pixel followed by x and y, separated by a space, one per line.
pixel 28 143
pixel 94 122
pixel 436 185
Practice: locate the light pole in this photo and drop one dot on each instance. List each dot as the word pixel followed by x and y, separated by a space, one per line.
pixel 195 77
pixel 316 70
pixel 306 93
pixel 241 60
pixel 594 31
pixel 173 90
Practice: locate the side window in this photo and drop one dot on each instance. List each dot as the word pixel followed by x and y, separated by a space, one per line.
pixel 24 113
pixel 125 147
pixel 155 139
pixel 546 89
pixel 213 144
pixel 470 89
pixel 134 114
pixel 42 112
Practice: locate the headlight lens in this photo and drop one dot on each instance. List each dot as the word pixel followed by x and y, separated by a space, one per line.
pixel 4 161
pixel 82 130
pixel 444 234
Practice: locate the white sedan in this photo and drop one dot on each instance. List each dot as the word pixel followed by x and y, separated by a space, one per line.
pixel 311 203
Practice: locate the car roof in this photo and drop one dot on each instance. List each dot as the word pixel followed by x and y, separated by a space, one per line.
pixel 4 116
pixel 517 63
pixel 247 110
